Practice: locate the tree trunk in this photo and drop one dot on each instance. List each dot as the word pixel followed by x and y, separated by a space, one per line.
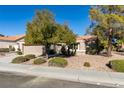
pixel 75 50
pixel 97 44
pixel 109 49
pixel 68 51
pixel 109 43
pixel 55 49
pixel 46 50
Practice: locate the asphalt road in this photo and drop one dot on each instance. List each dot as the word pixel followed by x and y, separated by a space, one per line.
pixel 19 80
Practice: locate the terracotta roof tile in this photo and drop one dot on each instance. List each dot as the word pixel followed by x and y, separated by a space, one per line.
pixel 85 37
pixel 17 37
pixel 11 38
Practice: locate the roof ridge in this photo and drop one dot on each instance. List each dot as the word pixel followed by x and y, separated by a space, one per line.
pixel 11 38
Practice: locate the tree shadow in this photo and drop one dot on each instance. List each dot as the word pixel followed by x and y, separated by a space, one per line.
pixel 109 65
pixel 58 55
pixel 119 53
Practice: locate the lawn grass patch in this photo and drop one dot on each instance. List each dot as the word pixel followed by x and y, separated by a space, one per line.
pixel 117 65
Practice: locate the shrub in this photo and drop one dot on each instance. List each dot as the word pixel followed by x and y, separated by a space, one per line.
pixel 71 51
pixel 19 49
pixel 4 49
pixel 19 59
pixel 30 56
pixel 117 65
pixel 11 48
pixel 94 47
pixel 19 52
pixel 52 51
pixel 39 61
pixel 87 64
pixel 63 50
pixel 58 62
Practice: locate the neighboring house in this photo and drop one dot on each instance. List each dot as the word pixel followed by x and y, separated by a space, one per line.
pixel 13 41
pixel 18 41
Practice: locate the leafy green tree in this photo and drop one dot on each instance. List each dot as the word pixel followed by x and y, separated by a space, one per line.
pixel 65 35
pixel 43 30
pixel 107 21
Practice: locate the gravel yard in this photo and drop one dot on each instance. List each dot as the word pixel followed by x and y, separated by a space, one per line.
pixel 7 54
pixel 97 62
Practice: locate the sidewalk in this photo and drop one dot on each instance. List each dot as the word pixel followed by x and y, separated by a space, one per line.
pixel 86 76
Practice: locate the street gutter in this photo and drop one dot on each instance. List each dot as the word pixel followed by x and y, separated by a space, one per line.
pixel 111 79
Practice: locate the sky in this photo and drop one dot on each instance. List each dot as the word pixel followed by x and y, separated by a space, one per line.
pixel 13 19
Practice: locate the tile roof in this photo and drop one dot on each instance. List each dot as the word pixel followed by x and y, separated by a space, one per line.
pixel 11 38
pixel 18 37
pixel 85 37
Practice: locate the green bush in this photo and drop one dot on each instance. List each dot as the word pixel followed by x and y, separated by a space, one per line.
pixel 30 56
pixel 52 51
pixel 11 48
pixel 39 61
pixel 94 47
pixel 4 49
pixel 58 62
pixel 87 64
pixel 63 50
pixel 19 49
pixel 117 65
pixel 19 52
pixel 19 59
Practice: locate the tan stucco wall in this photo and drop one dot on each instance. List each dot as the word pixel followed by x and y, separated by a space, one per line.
pixel 37 50
pixel 5 44
pixel 81 47
pixel 20 43
pixel 15 44
pixel 21 40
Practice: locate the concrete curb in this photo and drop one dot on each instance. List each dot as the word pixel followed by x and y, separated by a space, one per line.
pixel 111 79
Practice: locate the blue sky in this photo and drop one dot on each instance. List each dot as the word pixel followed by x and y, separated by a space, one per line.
pixel 13 19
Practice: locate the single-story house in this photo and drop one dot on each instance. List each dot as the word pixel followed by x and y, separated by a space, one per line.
pixel 13 41
pixel 81 40
pixel 18 43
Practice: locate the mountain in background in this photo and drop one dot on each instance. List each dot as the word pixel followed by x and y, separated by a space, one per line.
pixel 1 35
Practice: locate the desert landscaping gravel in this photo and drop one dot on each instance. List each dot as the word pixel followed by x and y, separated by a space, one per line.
pixel 97 62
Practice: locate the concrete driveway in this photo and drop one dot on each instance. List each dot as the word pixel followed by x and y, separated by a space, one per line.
pixel 7 59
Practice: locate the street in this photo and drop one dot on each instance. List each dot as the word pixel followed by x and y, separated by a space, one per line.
pixel 19 80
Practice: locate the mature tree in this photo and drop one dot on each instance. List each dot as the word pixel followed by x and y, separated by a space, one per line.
pixel 107 21
pixel 43 30
pixel 65 35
